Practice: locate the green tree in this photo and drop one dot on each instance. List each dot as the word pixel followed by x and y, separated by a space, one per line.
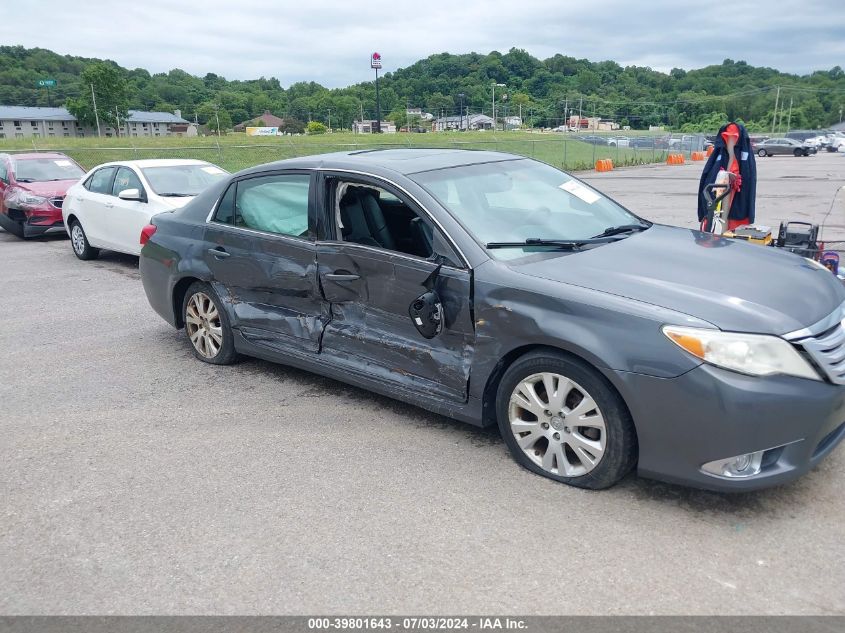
pixel 214 117
pixel 109 86
pixel 315 127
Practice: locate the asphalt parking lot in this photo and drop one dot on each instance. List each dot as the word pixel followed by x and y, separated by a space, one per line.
pixel 138 480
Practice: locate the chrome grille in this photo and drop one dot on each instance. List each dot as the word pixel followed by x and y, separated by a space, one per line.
pixel 57 201
pixel 828 350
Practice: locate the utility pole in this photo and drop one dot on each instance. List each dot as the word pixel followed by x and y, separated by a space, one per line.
pixel 117 117
pixel 789 117
pixel 461 123
pixel 580 104
pixel 330 119
pixel 775 116
pixel 565 110
pixel 96 116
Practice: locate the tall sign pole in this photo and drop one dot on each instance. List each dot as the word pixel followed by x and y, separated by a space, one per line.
pixel 375 64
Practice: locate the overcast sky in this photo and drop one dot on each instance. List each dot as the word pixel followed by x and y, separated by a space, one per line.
pixel 330 41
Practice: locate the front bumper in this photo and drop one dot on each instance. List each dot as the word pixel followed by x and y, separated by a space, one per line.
pixel 710 413
pixel 33 222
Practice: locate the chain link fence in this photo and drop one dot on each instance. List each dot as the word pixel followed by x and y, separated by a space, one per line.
pixel 569 151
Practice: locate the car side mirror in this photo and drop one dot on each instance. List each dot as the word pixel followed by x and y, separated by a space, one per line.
pixel 131 194
pixel 427 314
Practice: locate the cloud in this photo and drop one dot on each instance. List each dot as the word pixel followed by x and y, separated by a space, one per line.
pixel 330 41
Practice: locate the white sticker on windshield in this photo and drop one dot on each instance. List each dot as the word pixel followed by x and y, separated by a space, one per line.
pixel 212 170
pixel 577 189
pixel 62 163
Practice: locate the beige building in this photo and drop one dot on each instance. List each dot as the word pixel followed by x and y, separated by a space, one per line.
pixel 31 122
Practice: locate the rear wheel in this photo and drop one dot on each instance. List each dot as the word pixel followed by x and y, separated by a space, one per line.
pixel 207 326
pixel 79 242
pixel 798 152
pixel 762 153
pixel 561 419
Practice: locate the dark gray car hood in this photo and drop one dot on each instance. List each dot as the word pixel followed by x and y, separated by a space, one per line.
pixel 733 285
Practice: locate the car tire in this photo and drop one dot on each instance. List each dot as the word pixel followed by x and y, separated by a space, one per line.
pixel 207 326
pixel 762 153
pixel 595 454
pixel 79 243
pixel 798 152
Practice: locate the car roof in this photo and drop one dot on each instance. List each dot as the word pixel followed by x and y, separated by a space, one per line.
pixel 404 161
pixel 155 162
pixel 35 155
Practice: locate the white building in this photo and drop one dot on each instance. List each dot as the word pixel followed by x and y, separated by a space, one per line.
pixel 34 122
pixel 366 127
pixel 468 122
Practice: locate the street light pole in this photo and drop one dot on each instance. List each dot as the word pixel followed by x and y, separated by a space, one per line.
pixel 494 103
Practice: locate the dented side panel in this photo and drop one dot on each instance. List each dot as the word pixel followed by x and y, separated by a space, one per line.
pixel 370 325
pixel 269 286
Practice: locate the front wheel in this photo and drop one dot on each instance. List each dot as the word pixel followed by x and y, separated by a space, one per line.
pixel 207 326
pixel 762 153
pixel 79 242
pixel 561 419
pixel 797 153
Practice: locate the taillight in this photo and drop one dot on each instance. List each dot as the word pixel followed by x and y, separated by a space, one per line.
pixel 147 233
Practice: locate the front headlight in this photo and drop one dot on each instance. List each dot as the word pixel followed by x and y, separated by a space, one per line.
pixel 26 200
pixel 753 354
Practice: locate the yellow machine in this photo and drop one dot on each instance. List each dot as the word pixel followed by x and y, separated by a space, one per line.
pixel 751 233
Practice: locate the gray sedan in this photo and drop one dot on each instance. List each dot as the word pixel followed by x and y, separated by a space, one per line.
pixel 498 290
pixel 787 146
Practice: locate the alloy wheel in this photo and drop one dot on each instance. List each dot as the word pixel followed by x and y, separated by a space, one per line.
pixel 77 239
pixel 557 424
pixel 202 321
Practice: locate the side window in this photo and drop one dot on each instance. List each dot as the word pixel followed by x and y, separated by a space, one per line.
pixel 126 179
pixel 373 216
pixel 274 204
pixel 4 171
pixel 225 213
pixel 100 181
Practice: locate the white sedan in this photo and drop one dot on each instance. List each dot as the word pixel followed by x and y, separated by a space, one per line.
pixel 112 203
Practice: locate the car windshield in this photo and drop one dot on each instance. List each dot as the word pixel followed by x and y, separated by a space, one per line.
pixel 182 180
pixel 45 169
pixel 519 200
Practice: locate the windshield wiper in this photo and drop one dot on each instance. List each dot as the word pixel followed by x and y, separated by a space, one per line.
pixel 568 244
pixel 176 195
pixel 624 228
pixel 25 179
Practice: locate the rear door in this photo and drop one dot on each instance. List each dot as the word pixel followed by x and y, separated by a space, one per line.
pixel 371 288
pixel 260 249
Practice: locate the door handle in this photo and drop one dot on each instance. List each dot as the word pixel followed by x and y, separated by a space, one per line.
pixel 219 253
pixel 342 277
pixel 109 205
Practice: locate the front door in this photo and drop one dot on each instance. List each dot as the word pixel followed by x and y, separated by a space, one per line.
pixel 127 217
pixel 261 252
pixel 380 255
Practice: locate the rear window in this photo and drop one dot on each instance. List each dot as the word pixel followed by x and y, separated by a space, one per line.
pixel 100 180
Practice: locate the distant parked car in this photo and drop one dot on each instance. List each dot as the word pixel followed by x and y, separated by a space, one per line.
pixel 619 141
pixel 643 142
pixel 593 139
pixel 32 190
pixel 784 146
pixel 115 201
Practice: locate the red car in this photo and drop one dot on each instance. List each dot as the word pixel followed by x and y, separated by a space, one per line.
pixel 32 189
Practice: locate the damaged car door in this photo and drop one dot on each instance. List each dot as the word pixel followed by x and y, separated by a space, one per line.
pixel 399 295
pixel 260 249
